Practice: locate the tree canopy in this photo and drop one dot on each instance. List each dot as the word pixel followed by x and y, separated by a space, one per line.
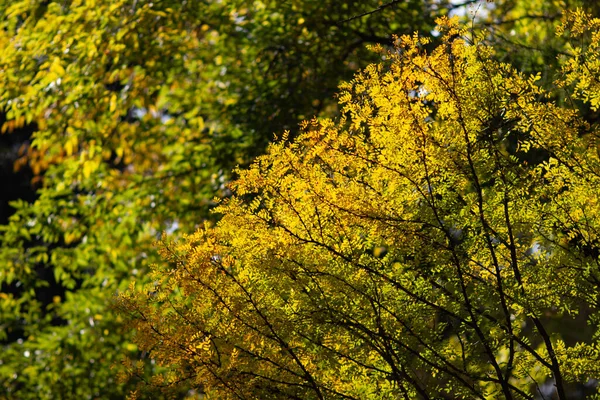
pixel 137 111
pixel 424 245
pixel 123 120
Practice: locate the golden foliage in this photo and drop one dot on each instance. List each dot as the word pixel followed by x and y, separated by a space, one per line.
pixel 421 246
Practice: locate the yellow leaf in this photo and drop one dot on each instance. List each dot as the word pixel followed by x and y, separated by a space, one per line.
pixel 56 68
pixel 113 103
pixel 131 347
pixel 70 144
pixel 89 167
pixel 70 237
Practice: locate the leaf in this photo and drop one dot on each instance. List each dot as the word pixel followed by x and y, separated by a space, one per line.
pixel 89 167
pixel 56 68
pixel 113 103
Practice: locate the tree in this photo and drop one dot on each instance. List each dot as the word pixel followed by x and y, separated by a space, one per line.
pixel 424 245
pixel 139 110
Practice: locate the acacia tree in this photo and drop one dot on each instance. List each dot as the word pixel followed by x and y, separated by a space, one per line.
pixel 422 246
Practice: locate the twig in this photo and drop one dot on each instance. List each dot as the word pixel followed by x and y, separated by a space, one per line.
pixel 381 7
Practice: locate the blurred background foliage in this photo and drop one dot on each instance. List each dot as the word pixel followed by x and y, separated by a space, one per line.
pixel 122 119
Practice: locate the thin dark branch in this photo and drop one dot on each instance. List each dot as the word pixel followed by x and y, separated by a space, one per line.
pixel 380 8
